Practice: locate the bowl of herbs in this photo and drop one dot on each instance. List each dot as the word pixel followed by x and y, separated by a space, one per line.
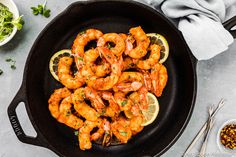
pixel 10 21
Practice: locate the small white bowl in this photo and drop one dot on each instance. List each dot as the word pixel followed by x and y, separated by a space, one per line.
pixel 222 148
pixel 12 7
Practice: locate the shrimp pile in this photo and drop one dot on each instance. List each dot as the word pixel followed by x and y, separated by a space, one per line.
pixel 112 79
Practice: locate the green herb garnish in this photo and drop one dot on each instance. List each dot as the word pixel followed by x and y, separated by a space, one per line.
pixel 80 58
pixel 12 62
pixel 109 46
pixel 76 133
pixel 7 22
pixel 123 103
pixel 82 32
pixel 41 9
pixel 13 66
pixel 1 71
pixel 123 133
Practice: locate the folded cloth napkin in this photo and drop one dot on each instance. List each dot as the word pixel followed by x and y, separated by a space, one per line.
pixel 200 22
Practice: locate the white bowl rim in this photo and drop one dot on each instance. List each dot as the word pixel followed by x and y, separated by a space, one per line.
pixel 16 15
pixel 220 145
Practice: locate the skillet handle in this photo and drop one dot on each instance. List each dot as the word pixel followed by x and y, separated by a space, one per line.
pixel 21 97
pixel 230 24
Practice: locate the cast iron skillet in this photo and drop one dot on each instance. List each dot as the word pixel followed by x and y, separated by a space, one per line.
pixel 176 103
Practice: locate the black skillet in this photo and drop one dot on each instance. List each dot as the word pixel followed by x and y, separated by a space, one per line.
pixel 176 104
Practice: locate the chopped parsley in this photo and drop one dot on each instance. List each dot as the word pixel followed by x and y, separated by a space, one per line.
pixel 12 62
pixel 123 133
pixel 76 133
pixel 82 32
pixel 123 103
pixel 109 46
pixel 7 22
pixel 80 58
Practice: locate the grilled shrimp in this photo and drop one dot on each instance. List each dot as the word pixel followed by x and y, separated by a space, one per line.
pixel 90 58
pixel 121 129
pixel 142 42
pixel 113 108
pixel 66 116
pixel 124 103
pixel 159 78
pixel 64 74
pixel 81 41
pixel 109 81
pixel 153 58
pixel 84 133
pixel 81 107
pixel 85 137
pixel 128 63
pixel 129 81
pixel 114 38
pixel 96 100
pixel 55 99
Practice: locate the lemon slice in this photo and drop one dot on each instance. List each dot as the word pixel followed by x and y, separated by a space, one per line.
pixel 53 64
pixel 151 113
pixel 160 40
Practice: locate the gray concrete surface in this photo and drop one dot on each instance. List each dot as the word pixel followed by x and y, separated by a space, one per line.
pixel 216 79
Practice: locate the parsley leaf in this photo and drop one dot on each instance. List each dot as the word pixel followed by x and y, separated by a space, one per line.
pixel 41 9
pixel 76 133
pixel 13 66
pixel 13 63
pixel 123 133
pixel 1 72
pixel 123 103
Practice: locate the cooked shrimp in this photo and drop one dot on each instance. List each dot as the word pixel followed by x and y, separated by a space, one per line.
pixel 84 133
pixel 90 58
pixel 64 74
pixel 113 108
pixel 114 38
pixel 142 42
pixel 129 81
pixel 109 81
pixel 81 41
pixel 66 116
pixel 159 78
pixel 96 100
pixel 147 80
pixel 55 99
pixel 124 103
pixel 152 59
pixel 135 124
pixel 81 107
pixel 121 129
pixel 85 138
pixel 128 63
pixel 143 97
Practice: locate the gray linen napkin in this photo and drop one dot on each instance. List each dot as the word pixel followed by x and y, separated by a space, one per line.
pixel 200 22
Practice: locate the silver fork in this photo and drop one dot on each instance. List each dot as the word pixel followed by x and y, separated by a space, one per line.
pixel 200 133
pixel 209 126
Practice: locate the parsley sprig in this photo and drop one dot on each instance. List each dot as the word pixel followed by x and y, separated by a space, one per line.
pixel 41 9
pixel 12 62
